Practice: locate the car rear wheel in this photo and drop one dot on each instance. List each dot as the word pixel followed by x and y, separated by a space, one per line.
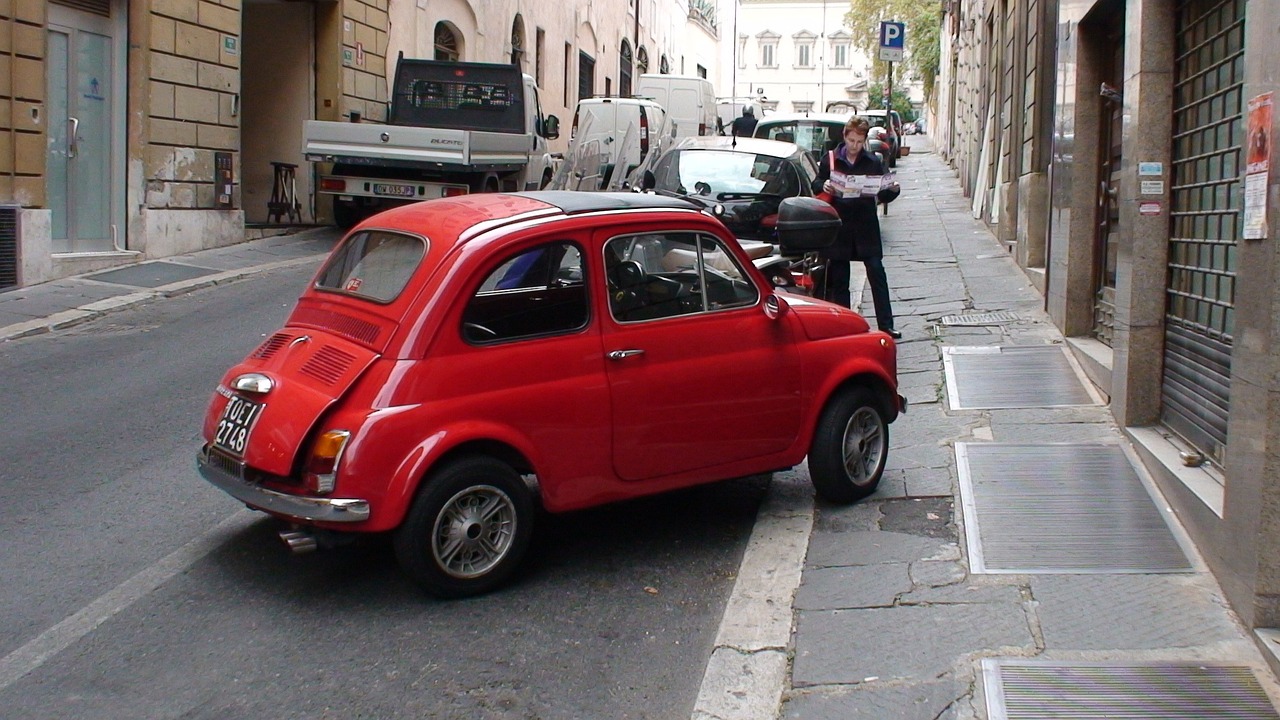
pixel 468 529
pixel 850 447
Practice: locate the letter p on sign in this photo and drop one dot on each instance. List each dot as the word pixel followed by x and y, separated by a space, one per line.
pixel 893 37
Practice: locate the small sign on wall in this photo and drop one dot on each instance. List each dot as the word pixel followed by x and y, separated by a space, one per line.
pixel 222 179
pixel 230 45
pixel 1257 166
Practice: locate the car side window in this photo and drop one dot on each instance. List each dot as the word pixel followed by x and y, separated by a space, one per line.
pixel 537 292
pixel 662 275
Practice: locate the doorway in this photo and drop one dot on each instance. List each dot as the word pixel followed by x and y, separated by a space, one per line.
pixel 1106 229
pixel 83 170
pixel 277 87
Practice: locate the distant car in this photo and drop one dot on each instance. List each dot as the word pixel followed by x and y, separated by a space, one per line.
pixel 457 358
pixel 748 177
pixel 889 120
pixel 815 132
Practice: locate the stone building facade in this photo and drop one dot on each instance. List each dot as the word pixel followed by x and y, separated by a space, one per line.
pixel 140 129
pixel 1122 149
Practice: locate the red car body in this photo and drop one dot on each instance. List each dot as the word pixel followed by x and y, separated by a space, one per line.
pixel 564 376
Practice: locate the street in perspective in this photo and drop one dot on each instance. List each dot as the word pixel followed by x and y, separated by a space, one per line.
pixel 754 360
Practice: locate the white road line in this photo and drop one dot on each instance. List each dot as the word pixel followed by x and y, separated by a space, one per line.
pixel 747 671
pixel 27 658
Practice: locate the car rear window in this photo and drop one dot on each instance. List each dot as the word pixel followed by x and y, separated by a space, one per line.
pixel 713 172
pixel 374 264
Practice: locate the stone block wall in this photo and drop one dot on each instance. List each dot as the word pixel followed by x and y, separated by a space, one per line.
pixel 194 87
pixel 22 102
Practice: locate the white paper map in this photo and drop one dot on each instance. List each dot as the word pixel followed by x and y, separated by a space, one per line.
pixel 852 186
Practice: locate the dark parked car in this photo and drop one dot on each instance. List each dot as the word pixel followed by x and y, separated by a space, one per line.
pixel 747 177
pixel 891 121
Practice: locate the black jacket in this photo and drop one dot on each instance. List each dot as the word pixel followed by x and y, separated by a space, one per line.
pixel 859 237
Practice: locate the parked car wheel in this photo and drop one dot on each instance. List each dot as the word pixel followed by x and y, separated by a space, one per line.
pixel 850 447
pixel 468 529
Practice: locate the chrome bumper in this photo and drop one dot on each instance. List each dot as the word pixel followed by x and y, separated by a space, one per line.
pixel 342 510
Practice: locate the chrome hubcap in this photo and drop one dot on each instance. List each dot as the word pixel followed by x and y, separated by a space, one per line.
pixel 474 531
pixel 863 445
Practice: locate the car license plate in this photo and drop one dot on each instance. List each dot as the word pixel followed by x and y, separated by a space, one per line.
pixel 237 420
pixel 397 190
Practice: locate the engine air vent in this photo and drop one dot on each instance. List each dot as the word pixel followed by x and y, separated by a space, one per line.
pixel 361 331
pixel 328 365
pixel 272 345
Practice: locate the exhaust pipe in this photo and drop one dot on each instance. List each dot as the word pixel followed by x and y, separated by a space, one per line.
pixel 299 540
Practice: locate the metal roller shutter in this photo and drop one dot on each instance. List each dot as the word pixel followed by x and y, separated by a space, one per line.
pixel 1205 201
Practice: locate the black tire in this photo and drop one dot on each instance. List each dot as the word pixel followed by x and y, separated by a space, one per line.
pixel 346 216
pixel 850 447
pixel 481 507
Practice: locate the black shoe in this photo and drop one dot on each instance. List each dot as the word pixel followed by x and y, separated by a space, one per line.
pixel 892 333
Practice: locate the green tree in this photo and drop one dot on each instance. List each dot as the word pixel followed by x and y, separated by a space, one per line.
pixel 923 19
pixel 901 102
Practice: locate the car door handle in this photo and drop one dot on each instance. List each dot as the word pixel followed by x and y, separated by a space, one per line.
pixel 624 354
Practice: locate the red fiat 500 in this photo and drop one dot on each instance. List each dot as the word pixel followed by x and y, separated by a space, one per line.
pixel 454 357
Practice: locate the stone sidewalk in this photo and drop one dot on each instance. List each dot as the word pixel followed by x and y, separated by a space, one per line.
pixel 889 621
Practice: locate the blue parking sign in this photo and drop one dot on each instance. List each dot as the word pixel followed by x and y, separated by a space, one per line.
pixel 893 37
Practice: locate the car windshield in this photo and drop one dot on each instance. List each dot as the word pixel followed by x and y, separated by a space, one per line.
pixel 816 138
pixel 373 264
pixel 714 172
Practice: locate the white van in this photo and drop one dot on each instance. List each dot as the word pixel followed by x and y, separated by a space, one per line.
pixel 616 132
pixel 690 101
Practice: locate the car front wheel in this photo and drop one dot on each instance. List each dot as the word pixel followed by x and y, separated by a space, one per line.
pixel 468 528
pixel 850 447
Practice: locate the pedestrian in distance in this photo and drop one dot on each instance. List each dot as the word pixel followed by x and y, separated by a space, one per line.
pixel 745 125
pixel 859 236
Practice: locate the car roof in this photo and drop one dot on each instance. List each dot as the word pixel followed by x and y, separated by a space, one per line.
pixel 620 101
pixel 758 146
pixel 817 117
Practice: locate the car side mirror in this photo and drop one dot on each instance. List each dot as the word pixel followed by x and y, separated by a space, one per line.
pixel 551 127
pixel 648 181
pixel 774 306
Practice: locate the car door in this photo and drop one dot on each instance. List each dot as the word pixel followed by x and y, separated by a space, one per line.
pixel 698 375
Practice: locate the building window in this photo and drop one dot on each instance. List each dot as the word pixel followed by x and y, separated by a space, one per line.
pixel 767 55
pixel 701 71
pixel 742 51
pixel 446 44
pixel 538 65
pixel 517 42
pixel 568 65
pixel 642 61
pixel 664 66
pixel 624 69
pixel 804 56
pixel 802 105
pixel 840 55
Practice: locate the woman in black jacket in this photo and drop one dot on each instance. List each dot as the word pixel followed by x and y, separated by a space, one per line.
pixel 859 237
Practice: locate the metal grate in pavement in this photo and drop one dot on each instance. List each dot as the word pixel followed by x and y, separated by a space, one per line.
pixel 152 274
pixel 1040 690
pixel 993 377
pixel 1061 508
pixel 991 318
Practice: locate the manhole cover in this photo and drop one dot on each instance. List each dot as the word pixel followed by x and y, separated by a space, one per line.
pixel 992 318
pixel 1031 690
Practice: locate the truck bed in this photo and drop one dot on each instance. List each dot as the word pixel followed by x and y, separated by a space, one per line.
pixel 403 146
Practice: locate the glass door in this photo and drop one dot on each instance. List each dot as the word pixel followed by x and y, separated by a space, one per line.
pixel 79 173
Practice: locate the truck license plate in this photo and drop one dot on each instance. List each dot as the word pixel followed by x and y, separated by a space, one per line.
pixel 237 420
pixel 397 190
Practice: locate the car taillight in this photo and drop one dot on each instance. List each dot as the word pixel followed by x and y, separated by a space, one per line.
pixel 644 133
pixel 333 184
pixel 454 191
pixel 321 473
pixel 702 128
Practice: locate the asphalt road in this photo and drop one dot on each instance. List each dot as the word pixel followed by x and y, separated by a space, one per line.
pixel 132 589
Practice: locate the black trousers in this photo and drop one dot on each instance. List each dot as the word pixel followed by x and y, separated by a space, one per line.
pixel 837 288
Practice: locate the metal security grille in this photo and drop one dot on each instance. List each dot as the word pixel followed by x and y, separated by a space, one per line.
pixel 97 7
pixel 1040 690
pixel 1205 201
pixel 8 248
pixel 1061 509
